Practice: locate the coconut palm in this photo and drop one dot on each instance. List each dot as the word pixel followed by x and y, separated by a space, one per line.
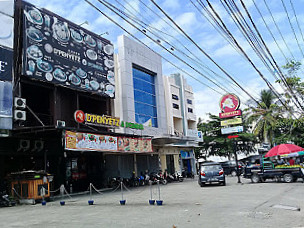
pixel 263 116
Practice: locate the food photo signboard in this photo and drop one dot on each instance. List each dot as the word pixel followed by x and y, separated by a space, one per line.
pixel 58 51
pixel 139 145
pixel 90 142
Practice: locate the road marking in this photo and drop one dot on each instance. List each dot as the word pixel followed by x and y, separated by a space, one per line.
pixel 286 207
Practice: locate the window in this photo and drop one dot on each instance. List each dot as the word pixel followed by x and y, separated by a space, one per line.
pixel 190 110
pixel 189 101
pixel 176 106
pixel 174 97
pixel 144 97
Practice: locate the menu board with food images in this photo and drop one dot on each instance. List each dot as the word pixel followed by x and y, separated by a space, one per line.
pixel 87 141
pixel 134 144
pixel 58 51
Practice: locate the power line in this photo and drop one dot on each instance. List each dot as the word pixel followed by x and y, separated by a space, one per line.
pixel 201 66
pixel 294 12
pixel 117 24
pixel 250 61
pixel 278 29
pixel 270 31
pixel 203 51
pixel 294 33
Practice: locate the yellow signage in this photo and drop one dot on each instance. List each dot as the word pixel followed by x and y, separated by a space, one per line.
pixel 102 120
pixel 231 122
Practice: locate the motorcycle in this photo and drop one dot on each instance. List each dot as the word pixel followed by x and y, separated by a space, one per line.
pixel 5 201
pixel 178 177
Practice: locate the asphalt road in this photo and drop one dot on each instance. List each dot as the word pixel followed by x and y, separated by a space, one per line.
pixel 185 205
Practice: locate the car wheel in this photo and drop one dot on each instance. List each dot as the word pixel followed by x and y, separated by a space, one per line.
pixel 255 178
pixel 202 184
pixel 224 183
pixel 233 173
pixel 288 178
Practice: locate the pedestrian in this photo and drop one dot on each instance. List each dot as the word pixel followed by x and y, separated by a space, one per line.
pixel 280 160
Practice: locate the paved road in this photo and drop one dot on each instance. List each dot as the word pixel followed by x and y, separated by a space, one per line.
pixel 185 205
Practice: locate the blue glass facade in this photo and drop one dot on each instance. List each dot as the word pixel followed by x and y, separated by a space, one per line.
pixel 144 97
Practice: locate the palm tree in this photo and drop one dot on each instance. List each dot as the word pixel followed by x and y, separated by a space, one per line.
pixel 263 116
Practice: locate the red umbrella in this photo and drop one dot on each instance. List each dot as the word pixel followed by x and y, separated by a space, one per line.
pixel 283 149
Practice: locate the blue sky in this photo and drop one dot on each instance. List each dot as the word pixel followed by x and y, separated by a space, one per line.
pixel 188 18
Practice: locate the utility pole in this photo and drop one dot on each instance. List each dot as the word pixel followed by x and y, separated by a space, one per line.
pixel 236 161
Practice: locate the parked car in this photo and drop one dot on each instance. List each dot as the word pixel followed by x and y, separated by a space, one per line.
pixel 231 169
pixel 211 172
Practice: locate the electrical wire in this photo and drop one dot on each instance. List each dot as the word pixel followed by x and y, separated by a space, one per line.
pixel 109 5
pixel 208 56
pixel 201 66
pixel 294 12
pixel 292 28
pixel 117 24
pixel 278 29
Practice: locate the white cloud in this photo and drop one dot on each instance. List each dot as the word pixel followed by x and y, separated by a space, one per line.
pixel 171 4
pixel 187 21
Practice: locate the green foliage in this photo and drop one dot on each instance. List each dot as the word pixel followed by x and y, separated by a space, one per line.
pixel 217 144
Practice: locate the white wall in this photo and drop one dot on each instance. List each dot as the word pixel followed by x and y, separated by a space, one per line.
pixel 131 52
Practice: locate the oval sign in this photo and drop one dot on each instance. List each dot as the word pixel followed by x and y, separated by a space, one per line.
pixel 229 103
pixel 79 116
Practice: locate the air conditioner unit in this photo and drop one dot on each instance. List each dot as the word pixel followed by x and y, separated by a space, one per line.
pixel 19 115
pixel 39 145
pixel 19 103
pixel 24 145
pixel 60 123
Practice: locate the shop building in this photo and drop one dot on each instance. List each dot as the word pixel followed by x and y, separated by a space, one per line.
pixel 60 68
pixel 181 121
pixel 140 98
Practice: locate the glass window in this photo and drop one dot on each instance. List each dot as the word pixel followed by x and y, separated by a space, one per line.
pixel 190 110
pixel 176 106
pixel 189 101
pixel 144 98
pixel 174 97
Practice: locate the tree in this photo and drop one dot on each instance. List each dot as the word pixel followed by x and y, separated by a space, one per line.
pixel 217 144
pixel 263 116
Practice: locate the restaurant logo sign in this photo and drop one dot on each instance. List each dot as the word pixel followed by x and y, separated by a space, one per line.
pixel 104 120
pixel 229 103
pixel 93 119
pixel 60 52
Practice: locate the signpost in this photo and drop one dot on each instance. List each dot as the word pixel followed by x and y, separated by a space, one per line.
pixel 229 105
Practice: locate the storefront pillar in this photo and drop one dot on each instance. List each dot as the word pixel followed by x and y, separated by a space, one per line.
pixel 163 162
pixel 177 165
pixel 135 165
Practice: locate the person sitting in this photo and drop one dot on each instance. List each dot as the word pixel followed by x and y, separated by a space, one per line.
pixel 280 161
pixel 291 161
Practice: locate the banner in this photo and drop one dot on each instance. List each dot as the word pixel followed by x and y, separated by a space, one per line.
pixel 6 64
pixel 6 31
pixel 90 142
pixel 231 121
pixel 139 145
pixel 106 143
pixel 229 130
pixel 57 51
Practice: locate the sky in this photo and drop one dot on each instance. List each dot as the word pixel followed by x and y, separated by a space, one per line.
pixel 201 31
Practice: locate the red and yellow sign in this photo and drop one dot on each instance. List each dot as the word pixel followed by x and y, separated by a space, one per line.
pixel 223 115
pixel 94 119
pixel 229 103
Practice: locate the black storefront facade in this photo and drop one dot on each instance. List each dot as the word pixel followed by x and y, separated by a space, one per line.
pixel 59 67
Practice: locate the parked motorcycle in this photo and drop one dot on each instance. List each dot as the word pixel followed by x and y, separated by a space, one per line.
pixel 178 177
pixel 5 201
